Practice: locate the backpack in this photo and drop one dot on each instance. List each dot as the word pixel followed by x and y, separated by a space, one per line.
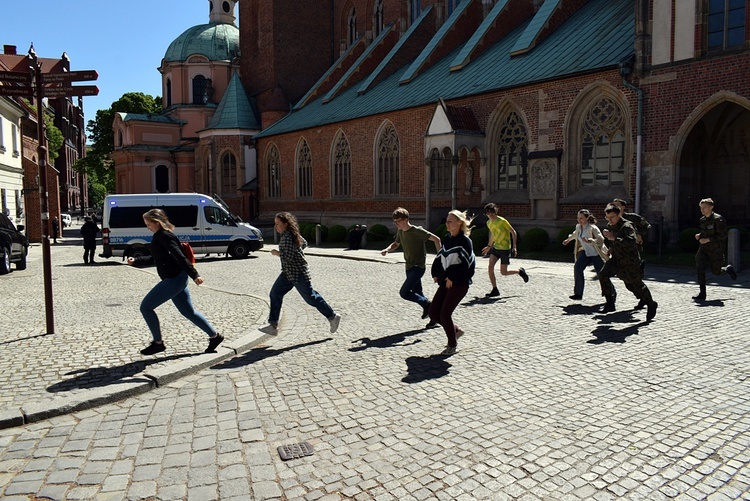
pixel 187 250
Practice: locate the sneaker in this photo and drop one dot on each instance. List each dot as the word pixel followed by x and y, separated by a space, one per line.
pixel 459 333
pixel 153 348
pixel 608 307
pixel 335 323
pixel 449 350
pixel 493 293
pixel 213 342
pixel 426 310
pixel 576 297
pixel 431 324
pixel 523 274
pixel 651 312
pixel 730 271
pixel 641 304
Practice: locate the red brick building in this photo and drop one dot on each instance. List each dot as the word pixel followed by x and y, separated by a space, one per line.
pixel 541 107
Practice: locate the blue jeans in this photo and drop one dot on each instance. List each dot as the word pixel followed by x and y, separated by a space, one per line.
pixel 411 290
pixel 282 285
pixel 581 263
pixel 176 290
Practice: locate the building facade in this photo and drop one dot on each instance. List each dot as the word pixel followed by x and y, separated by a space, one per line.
pixel 433 105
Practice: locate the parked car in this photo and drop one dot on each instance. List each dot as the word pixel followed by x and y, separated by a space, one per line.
pixel 14 246
pixel 66 220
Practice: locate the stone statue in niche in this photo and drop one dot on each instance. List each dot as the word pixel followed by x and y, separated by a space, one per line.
pixel 469 178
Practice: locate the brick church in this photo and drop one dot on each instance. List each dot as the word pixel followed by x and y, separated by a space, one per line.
pixel 343 112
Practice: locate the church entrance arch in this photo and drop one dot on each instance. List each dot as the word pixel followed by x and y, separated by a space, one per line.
pixel 715 162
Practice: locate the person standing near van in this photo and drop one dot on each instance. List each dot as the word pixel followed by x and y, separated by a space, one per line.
pixel 88 232
pixel 55 229
pixel 173 269
pixel 295 273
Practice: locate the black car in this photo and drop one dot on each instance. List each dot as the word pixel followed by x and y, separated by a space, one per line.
pixel 14 246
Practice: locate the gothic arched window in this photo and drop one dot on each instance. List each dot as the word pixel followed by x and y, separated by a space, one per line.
pixel 228 173
pixel 341 174
pixel 273 170
pixel 304 170
pixel 415 9
pixel 388 171
pixel 441 171
pixel 603 145
pixel 512 148
pixel 377 25
pixel 352 30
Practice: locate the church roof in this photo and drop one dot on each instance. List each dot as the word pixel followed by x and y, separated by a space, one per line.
pixel 596 37
pixel 148 117
pixel 235 111
pixel 216 41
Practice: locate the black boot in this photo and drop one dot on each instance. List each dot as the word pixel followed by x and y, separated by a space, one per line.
pixel 701 295
pixel 730 271
pixel 641 304
pixel 609 306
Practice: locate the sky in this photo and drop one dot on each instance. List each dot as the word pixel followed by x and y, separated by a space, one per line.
pixel 124 41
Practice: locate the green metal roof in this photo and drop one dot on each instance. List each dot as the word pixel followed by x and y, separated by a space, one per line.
pixel 216 41
pixel 598 36
pixel 538 23
pixel 143 117
pixel 235 111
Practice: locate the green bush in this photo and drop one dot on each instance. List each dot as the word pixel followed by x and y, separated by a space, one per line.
pixel 337 233
pixel 324 231
pixel 479 237
pixel 563 234
pixel 308 233
pixel 441 230
pixel 379 232
pixel 687 241
pixel 535 239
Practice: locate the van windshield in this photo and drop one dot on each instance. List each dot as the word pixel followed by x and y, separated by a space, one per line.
pixel 214 215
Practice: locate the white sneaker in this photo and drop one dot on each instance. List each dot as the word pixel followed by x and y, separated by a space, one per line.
pixel 335 322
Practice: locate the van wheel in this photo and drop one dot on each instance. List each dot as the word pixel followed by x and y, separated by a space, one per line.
pixel 5 261
pixel 21 265
pixel 136 252
pixel 239 250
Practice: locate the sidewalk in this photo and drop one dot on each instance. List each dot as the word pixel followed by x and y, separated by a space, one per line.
pixel 93 357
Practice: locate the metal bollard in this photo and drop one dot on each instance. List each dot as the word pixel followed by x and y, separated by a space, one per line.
pixel 363 241
pixel 733 249
pixel 318 235
pixel 276 236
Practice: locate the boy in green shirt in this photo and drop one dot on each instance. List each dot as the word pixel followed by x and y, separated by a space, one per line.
pixel 412 239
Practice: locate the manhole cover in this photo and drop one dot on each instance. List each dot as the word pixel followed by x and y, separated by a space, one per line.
pixel 295 451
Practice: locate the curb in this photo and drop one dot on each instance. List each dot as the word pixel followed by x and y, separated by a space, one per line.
pixel 138 384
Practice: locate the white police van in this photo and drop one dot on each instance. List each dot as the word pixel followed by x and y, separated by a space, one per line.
pixel 199 219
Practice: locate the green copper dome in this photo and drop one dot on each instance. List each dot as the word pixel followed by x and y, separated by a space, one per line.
pixel 216 41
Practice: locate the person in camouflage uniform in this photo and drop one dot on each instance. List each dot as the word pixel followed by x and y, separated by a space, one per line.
pixel 713 244
pixel 625 263
pixel 640 224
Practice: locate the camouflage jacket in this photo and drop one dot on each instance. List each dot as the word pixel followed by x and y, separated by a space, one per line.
pixel 624 247
pixel 714 227
pixel 639 223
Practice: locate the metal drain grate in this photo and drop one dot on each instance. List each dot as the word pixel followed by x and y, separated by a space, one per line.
pixel 295 451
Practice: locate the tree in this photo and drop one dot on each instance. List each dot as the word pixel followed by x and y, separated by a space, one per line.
pixel 55 138
pixel 97 164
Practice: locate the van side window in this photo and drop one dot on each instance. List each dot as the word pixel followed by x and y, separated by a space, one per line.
pixel 214 215
pixel 182 216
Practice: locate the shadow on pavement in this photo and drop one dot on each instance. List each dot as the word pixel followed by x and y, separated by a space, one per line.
pixel 486 300
pixel 580 309
pixel 423 368
pixel 96 377
pixel 261 353
pixel 387 341
pixel 606 334
pixel 24 338
pixel 712 302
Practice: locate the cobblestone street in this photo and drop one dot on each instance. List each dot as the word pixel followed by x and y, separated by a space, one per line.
pixel 545 399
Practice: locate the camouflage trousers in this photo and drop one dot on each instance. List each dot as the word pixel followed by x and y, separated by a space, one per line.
pixel 631 275
pixel 707 259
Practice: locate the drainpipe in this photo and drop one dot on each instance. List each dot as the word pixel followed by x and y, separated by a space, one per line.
pixel 626 68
